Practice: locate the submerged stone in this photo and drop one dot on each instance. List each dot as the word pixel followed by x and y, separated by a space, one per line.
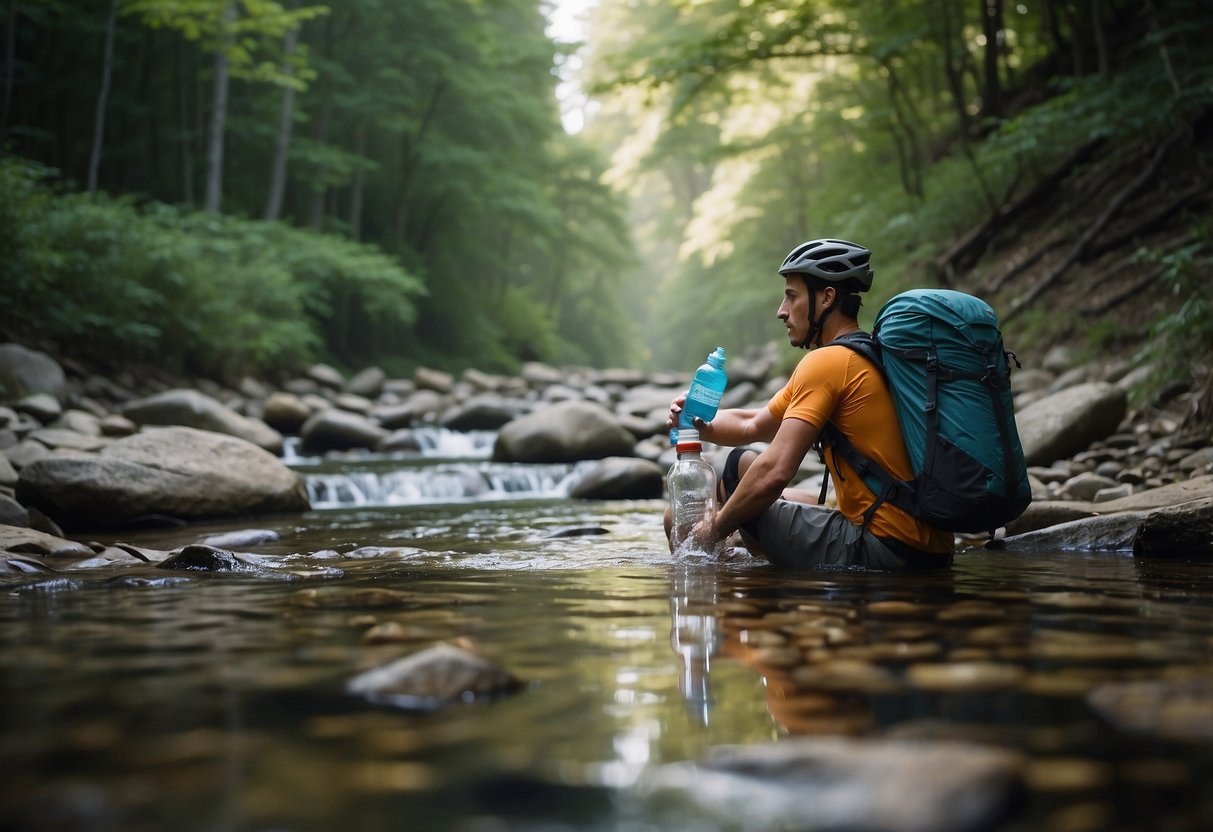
pixel 1173 709
pixel 438 676
pixel 843 784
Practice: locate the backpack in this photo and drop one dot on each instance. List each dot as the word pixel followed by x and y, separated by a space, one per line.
pixel 941 353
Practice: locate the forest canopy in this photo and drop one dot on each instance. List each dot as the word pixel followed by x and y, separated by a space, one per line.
pixel 379 182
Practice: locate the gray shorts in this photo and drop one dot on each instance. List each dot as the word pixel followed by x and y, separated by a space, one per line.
pixel 802 535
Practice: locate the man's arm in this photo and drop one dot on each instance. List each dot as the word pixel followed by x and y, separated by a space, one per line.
pixel 731 427
pixel 767 476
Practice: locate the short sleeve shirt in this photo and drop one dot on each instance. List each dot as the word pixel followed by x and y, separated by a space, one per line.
pixel 836 384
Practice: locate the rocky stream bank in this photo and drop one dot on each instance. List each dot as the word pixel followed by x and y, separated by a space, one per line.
pixel 85 453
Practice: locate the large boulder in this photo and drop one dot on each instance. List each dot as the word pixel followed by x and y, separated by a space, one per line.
pixel 176 471
pixel 191 409
pixel 1064 423
pixel 1046 513
pixel 1182 531
pixel 25 372
pixel 485 411
pixel 564 432
pixel 621 478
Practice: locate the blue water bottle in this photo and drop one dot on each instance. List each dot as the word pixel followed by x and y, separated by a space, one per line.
pixel 703 398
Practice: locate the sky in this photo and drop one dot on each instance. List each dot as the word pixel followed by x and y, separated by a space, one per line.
pixel 565 24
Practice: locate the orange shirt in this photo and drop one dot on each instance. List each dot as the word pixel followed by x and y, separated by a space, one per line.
pixel 836 384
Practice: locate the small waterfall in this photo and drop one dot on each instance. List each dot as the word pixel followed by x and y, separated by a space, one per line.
pixel 444 483
pixel 434 442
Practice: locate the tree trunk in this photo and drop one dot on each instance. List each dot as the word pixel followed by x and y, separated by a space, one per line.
pixel 1101 40
pixel 991 27
pixel 185 154
pixel 214 150
pixel 273 203
pixel 953 68
pixel 107 72
pixel 10 49
pixel 356 191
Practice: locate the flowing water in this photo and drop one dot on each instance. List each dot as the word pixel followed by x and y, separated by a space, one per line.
pixel 142 699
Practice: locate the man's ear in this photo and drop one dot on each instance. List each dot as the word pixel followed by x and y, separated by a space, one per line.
pixel 828 296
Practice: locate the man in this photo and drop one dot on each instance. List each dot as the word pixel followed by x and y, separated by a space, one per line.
pixel 832 383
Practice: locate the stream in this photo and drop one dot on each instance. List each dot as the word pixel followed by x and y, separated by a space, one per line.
pixel 140 699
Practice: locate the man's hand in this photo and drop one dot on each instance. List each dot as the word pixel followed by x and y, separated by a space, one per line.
pixel 704 536
pixel 671 421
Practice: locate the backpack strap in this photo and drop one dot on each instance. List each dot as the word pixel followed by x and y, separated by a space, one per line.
pixel 889 488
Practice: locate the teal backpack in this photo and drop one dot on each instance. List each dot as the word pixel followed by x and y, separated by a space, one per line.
pixel 942 355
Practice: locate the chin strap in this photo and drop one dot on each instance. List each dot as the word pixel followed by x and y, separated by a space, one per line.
pixel 816 327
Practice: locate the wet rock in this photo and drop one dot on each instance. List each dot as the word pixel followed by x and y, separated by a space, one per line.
pixel 55 438
pixel 842 784
pixel 621 478
pixel 1052 512
pixel 190 408
pixel 1066 422
pixel 1111 533
pixel 1182 531
pixel 1180 710
pixel 340 430
pixel 964 677
pixel 242 538
pixel 179 472
pixel 575 531
pixel 1084 486
pixel 401 439
pixel 354 404
pixel 438 676
pixel 564 432
pixel 200 558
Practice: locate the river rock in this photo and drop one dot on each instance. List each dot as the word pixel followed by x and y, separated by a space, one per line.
pixel 340 430
pixel 115 424
pixel 438 676
pixel 484 411
pixel 563 432
pixel 1182 531
pixel 55 438
pixel 326 376
pixel 621 478
pixel 438 381
pixel 1180 710
pixel 842 785
pixel 421 406
pixel 1107 533
pixel 1066 422
pixel 78 421
pixel 12 513
pixel 367 383
pixel 192 409
pixel 25 372
pixel 8 474
pixel 201 558
pixel 42 406
pixel 175 471
pixel 1052 512
pixel 285 412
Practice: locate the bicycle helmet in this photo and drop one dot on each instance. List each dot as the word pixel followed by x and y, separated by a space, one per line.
pixel 832 261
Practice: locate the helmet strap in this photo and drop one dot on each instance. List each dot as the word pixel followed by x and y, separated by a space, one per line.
pixel 816 325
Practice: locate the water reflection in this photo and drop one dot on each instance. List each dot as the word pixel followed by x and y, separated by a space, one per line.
pixel 695 632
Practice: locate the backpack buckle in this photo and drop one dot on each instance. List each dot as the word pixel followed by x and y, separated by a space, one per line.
pixel 932 363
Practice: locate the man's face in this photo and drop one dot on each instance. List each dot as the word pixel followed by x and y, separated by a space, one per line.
pixel 794 311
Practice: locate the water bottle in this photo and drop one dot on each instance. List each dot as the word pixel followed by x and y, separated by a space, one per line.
pixel 691 483
pixel 703 397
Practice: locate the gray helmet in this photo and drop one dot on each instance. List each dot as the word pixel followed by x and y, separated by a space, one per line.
pixel 833 261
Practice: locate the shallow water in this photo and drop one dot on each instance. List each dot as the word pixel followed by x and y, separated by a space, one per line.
pixel 216 701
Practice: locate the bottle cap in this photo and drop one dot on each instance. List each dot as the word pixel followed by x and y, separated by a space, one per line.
pixel 688 440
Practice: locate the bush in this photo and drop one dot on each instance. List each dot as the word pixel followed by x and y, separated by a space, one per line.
pixel 104 278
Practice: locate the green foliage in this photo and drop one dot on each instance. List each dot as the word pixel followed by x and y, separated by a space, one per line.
pixel 201 292
pixel 1180 346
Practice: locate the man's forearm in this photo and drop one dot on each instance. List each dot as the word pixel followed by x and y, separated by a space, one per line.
pixel 732 427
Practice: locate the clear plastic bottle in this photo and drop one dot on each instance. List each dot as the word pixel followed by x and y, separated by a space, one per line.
pixel 703 397
pixel 691 483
